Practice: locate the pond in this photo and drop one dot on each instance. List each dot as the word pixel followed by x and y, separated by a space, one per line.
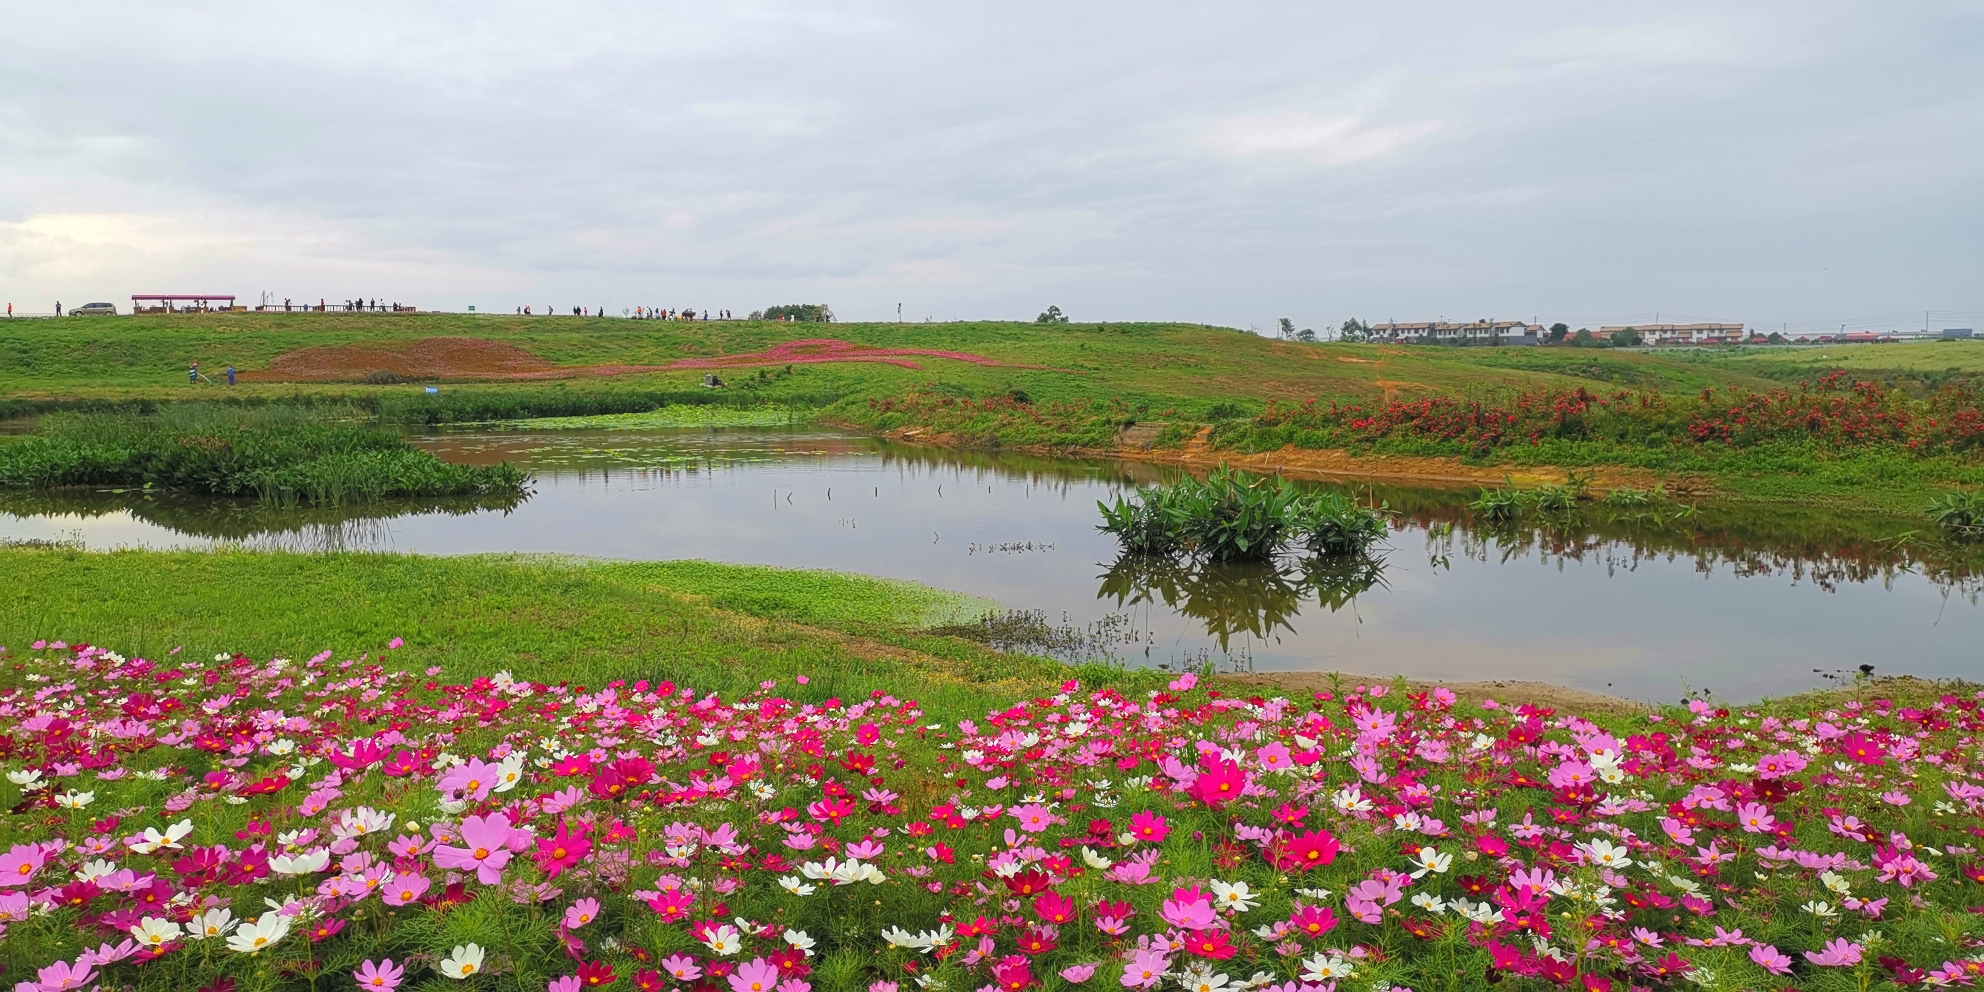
pixel 1741 602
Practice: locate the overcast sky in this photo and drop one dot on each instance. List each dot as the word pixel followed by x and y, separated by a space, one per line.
pixel 1222 162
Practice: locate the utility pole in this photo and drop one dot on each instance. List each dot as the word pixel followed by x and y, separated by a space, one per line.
pixel 898 313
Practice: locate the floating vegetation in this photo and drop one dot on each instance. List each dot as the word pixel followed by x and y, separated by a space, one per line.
pixel 673 415
pixel 1234 516
pixel 1028 632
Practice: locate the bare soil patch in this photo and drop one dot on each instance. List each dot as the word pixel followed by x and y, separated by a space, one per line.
pixel 427 358
pixel 477 358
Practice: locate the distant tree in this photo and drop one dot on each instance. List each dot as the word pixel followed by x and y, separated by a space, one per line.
pixel 757 315
pixel 811 313
pixel 1287 329
pixel 1626 337
pixel 1051 315
pixel 1558 330
pixel 1354 330
pixel 1306 334
pixel 1776 338
pixel 1583 338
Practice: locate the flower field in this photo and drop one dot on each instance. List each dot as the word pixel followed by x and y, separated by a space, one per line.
pixel 250 824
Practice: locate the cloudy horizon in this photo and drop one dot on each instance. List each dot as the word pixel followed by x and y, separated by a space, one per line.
pixel 1229 164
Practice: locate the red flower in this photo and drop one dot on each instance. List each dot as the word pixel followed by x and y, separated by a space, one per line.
pixel 1212 944
pixel 593 974
pixel 1313 849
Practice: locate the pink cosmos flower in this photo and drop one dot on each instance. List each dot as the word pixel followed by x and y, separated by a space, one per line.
pixel 682 967
pixel 581 912
pixel 1572 774
pixel 755 975
pixel 63 976
pixel 404 889
pixel 566 983
pixel 1780 765
pixel 1840 953
pixel 486 852
pixel 1312 921
pixel 1768 958
pixel 1149 827
pixel 1144 968
pixel 1033 817
pixel 1189 909
pixel 1078 973
pixel 383 976
pixel 19 864
pixel 1755 818
pixel 472 780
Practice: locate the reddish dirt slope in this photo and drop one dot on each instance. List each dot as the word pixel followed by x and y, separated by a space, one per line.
pixel 475 358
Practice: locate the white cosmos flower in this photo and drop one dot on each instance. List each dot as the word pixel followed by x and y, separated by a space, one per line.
pixel 764 790
pixel 465 961
pixel 93 870
pixel 723 940
pixel 792 884
pixel 1606 854
pixel 1430 903
pixel 898 937
pixel 212 923
pixel 1094 860
pixel 307 863
pixel 151 840
pixel 1351 800
pixel 28 779
pixel 268 930
pixel 1313 893
pixel 74 800
pixel 155 932
pixel 281 746
pixel 1431 860
pixel 1235 896
pixel 509 772
pixel 799 939
pixel 1324 968
pixel 1821 909
pixel 1836 883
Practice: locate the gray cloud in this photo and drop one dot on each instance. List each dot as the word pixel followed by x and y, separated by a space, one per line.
pixel 1220 162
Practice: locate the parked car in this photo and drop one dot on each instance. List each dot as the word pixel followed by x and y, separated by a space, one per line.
pixel 93 308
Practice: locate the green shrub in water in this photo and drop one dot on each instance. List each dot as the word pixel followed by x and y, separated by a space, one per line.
pixel 1233 516
pixel 1499 505
pixel 1959 513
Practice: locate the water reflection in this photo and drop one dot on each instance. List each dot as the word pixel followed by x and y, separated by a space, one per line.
pixel 247 522
pixel 1260 600
pixel 1743 599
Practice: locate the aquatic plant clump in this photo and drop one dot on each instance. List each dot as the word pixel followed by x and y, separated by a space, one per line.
pixel 1960 514
pixel 304 462
pixel 1233 516
pixel 268 824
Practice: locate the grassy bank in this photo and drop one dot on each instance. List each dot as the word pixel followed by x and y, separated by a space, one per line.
pixel 712 626
pixel 1073 385
pixel 283 454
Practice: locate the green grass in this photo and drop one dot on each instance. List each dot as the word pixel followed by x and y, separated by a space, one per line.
pixel 704 625
pixel 282 454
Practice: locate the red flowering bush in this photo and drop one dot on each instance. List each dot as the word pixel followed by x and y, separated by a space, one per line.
pixel 271 824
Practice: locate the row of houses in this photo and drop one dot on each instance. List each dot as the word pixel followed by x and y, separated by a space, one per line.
pixel 1516 332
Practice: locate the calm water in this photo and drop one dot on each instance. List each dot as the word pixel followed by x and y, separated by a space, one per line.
pixel 1741 604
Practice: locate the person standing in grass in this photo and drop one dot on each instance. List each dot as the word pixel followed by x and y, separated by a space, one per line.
pixel 193 374
pixel 230 375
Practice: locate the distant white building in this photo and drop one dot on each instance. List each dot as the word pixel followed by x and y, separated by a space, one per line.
pixel 1681 333
pixel 1507 332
